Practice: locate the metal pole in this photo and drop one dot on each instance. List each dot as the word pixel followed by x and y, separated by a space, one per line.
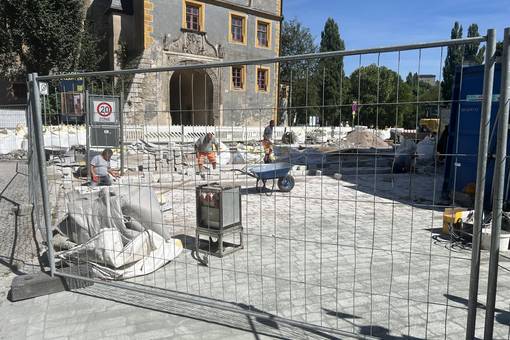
pixel 87 135
pixel 480 180
pixel 297 57
pixel 41 163
pixel 499 186
pixel 121 122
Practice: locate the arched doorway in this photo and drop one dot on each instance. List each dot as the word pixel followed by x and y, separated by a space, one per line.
pixel 191 98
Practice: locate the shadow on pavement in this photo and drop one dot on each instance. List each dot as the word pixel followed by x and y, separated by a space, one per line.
pixel 264 325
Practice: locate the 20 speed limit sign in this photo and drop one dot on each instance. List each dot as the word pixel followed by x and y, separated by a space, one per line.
pixel 104 111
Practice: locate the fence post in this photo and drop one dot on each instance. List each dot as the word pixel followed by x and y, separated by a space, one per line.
pixel 480 180
pixel 499 186
pixel 41 163
pixel 121 123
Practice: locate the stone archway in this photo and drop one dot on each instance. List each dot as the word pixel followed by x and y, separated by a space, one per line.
pixel 192 98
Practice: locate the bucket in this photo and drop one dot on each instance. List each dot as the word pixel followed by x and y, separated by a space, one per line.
pixel 504 240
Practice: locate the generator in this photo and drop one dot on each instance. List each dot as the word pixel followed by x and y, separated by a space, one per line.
pixel 218 216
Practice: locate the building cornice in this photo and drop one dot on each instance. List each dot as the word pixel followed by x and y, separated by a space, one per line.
pixel 244 9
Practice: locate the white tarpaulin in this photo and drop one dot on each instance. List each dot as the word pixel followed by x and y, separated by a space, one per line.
pixel 111 258
pixel 426 149
pixel 119 232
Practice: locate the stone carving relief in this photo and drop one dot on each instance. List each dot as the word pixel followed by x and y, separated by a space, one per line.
pixel 192 43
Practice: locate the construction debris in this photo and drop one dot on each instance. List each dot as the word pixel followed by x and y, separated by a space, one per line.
pixel 363 139
pixel 118 230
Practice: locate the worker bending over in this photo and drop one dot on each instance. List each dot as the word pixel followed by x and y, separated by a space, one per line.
pixel 205 147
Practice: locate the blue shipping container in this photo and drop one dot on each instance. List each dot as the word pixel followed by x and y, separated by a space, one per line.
pixel 464 132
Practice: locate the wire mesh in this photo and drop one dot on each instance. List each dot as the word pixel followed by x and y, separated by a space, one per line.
pixel 19 209
pixel 356 245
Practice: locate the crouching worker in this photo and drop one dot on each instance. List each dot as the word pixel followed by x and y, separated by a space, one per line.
pixel 100 168
pixel 205 147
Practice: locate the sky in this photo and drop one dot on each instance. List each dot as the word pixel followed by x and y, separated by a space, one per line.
pixel 375 23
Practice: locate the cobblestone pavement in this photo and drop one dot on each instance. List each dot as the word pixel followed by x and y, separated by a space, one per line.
pixel 101 312
pixel 347 254
pixel 17 246
pixel 335 254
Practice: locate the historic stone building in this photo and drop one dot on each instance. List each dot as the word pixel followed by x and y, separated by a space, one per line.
pixel 162 33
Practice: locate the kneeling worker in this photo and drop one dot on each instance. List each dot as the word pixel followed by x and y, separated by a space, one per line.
pixel 100 168
pixel 204 147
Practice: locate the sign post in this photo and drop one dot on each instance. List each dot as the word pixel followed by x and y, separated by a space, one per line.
pixel 104 120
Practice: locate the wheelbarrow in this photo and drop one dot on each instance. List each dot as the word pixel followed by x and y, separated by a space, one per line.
pixel 264 172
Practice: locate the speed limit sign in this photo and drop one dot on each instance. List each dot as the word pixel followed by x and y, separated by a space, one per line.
pixel 104 111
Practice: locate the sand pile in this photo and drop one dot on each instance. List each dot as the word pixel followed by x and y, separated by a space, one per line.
pixel 363 139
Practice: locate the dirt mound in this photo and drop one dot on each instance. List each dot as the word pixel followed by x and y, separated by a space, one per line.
pixel 363 139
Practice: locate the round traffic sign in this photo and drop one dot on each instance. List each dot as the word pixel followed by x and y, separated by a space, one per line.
pixel 104 109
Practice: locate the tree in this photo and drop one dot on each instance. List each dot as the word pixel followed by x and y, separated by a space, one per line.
pixel 425 97
pixel 453 59
pixel 499 48
pixel 375 88
pixel 331 72
pixel 53 36
pixel 473 54
pixel 299 75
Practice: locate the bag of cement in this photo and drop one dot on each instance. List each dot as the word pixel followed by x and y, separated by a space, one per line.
pixel 404 155
pixel 425 149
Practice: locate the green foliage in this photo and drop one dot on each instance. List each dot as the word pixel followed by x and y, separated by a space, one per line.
pixel 425 97
pixel 375 89
pixel 45 36
pixel 331 72
pixel 301 75
pixel 473 54
pixel 453 59
pixel 499 48
pixel 122 55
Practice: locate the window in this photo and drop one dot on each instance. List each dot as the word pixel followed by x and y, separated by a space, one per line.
pixel 237 28
pixel 262 79
pixel 192 17
pixel 238 77
pixel 262 34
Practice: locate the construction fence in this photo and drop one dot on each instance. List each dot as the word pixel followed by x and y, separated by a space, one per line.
pixel 331 231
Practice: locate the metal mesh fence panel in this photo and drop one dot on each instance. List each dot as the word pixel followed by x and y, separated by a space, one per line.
pixel 331 220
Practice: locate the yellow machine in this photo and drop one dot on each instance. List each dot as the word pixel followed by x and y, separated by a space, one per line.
pixel 452 218
pixel 430 124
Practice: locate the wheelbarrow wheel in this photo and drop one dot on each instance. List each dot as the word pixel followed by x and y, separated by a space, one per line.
pixel 286 183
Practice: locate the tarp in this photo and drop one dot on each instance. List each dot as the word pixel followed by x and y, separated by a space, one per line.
pixel 119 231
pixel 426 149
pixel 109 257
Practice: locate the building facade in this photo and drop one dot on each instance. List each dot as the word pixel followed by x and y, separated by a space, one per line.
pixel 428 78
pixel 165 33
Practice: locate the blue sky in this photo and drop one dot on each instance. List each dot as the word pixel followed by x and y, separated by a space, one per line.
pixel 371 23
